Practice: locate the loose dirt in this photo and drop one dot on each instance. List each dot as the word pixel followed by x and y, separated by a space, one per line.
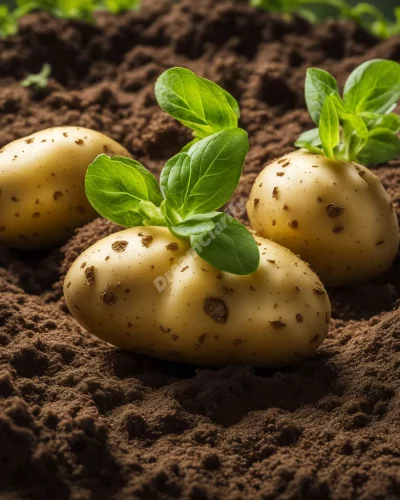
pixel 82 420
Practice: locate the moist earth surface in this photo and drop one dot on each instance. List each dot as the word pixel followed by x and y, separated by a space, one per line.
pixel 82 420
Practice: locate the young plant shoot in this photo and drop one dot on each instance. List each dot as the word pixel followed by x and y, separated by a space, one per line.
pixel 322 202
pixel 185 281
pixel 38 81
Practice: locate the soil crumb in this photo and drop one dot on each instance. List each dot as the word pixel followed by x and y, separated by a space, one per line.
pixel 82 420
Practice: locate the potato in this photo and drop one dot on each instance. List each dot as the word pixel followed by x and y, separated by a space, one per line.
pixel 145 290
pixel 336 215
pixel 42 195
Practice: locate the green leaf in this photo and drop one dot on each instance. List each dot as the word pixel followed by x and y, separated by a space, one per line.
pixel 204 178
pixel 310 140
pixel 174 180
pixel 374 86
pixel 319 85
pixel 375 120
pixel 40 80
pixel 355 135
pixel 192 227
pixel 228 246
pixel 197 103
pixel 123 191
pixel 382 146
pixel 329 131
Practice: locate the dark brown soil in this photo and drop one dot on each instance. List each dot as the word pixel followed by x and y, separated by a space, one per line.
pixel 81 420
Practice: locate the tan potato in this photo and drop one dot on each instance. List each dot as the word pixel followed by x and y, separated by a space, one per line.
pixel 42 194
pixel 336 215
pixel 145 290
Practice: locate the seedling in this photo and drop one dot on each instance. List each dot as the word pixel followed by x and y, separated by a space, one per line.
pixel 193 184
pixel 318 202
pixel 38 81
pixel 360 126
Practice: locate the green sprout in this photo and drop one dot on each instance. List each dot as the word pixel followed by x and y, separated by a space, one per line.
pixel 359 126
pixel 193 185
pixel 38 81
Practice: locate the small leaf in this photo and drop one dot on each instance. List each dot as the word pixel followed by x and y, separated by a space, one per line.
pixel 310 140
pixel 204 178
pixel 329 131
pixel 192 227
pixel 375 120
pixel 123 191
pixel 382 146
pixel 196 102
pixel 374 86
pixel 319 85
pixel 355 134
pixel 38 81
pixel 228 246
pixel 174 180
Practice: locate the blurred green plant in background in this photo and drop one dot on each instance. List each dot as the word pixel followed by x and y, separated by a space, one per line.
pixel 12 10
pixel 380 17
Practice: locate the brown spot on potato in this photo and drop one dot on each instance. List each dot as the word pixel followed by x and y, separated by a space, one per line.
pixel 256 201
pixel 127 290
pixel 277 324
pixel 36 215
pixel 252 288
pixel 119 245
pixel 285 207
pixel 319 199
pixel 65 134
pixel 14 199
pixel 271 261
pixel 338 229
pixel 334 210
pixel 107 258
pixel 2 228
pixel 108 297
pixel 279 174
pixel 175 338
pixel 165 330
pixel 173 245
pixel 327 318
pixel 80 209
pixel 380 242
pixel 314 339
pixel 79 142
pixel 286 164
pixel 146 240
pixel 275 193
pixel 89 275
pixel 83 265
pixel 319 291
pixel 274 222
pixel 57 195
pixel 184 269
pixel 69 284
pixel 216 309
pixel 219 276
pixel 202 338
pixel 237 342
pixel 293 224
pixel 299 318
pixel 29 141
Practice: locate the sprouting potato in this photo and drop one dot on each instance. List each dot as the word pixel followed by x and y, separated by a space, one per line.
pixel 145 290
pixel 336 215
pixel 42 194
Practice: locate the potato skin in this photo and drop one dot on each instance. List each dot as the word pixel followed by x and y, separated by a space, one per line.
pixel 273 317
pixel 42 195
pixel 336 215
